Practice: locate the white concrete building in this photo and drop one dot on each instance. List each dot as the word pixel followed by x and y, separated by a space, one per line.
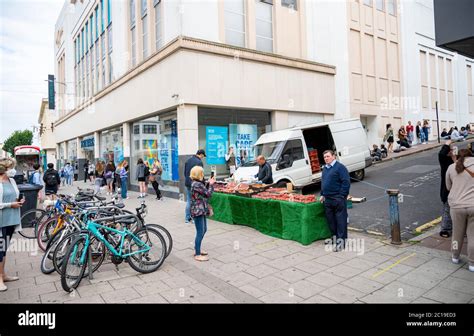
pixel 161 78
pixel 433 74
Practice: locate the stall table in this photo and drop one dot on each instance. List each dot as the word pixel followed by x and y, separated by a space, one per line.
pixel 301 222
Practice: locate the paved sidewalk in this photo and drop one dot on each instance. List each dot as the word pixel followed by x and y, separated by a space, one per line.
pixel 421 148
pixel 246 266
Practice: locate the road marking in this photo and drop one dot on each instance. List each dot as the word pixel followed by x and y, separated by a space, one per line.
pixel 375 233
pixel 393 265
pixel 425 226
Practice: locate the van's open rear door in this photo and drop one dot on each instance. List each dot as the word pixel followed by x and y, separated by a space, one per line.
pixel 351 143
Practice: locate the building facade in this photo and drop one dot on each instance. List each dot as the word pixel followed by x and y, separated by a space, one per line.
pixel 152 81
pixel 159 79
pixel 434 75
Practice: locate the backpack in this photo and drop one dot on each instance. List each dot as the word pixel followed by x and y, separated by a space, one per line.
pixel 50 178
pixel 30 179
pixel 146 171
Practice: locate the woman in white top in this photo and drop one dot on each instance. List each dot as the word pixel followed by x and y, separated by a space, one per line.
pixel 9 216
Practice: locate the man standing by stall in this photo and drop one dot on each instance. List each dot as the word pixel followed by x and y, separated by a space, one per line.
pixel 264 170
pixel 335 185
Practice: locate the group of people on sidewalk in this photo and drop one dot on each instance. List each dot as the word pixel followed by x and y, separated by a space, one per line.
pixel 408 135
pixel 457 196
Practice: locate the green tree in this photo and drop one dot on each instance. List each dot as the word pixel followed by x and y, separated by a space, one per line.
pixel 18 138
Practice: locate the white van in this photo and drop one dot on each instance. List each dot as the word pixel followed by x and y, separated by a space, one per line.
pixel 288 151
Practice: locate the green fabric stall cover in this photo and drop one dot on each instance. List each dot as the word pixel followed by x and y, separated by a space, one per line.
pixel 244 210
pixel 221 205
pixel 304 223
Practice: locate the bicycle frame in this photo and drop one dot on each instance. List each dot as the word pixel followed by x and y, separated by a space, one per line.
pixel 93 228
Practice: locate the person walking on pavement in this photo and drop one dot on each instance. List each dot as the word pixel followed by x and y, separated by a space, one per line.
pixel 389 137
pixel 68 173
pixel 99 177
pixel 193 161
pixel 264 174
pixel 140 176
pixel 51 181
pixel 460 183
pixel 109 177
pixel 155 178
pixel 445 158
pixel 409 131
pixel 10 223
pixel 122 173
pixel 420 135
pixel 35 178
pixel 91 172
pixel 230 161
pixel 86 170
pixel 76 171
pixel 335 186
pixel 425 129
pixel 200 208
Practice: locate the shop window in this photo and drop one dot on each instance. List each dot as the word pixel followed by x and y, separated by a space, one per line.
pixel 149 129
pixel 158 140
pixel 289 3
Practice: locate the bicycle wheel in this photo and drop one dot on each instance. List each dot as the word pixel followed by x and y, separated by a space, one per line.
pixel 45 232
pixel 150 261
pixel 166 235
pixel 29 222
pixel 98 253
pixel 47 265
pixel 74 265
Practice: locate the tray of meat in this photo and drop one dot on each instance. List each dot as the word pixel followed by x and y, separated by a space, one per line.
pixel 245 193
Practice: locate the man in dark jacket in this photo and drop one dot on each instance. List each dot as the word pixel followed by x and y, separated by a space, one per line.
pixel 335 185
pixel 264 170
pixel 51 180
pixel 445 158
pixel 195 160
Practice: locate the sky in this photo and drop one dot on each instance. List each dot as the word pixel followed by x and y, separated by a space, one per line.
pixel 26 59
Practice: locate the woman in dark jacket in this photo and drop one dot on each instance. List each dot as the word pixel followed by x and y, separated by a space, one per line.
pixel 445 158
pixel 200 208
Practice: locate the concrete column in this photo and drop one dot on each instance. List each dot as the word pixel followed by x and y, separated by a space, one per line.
pixel 188 139
pixel 126 140
pixel 279 120
pixel 96 146
pixel 81 159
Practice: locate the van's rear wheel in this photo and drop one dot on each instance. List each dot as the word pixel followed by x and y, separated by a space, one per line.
pixel 282 184
pixel 358 175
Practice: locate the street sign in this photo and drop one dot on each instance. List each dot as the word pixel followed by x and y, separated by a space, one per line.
pixel 51 93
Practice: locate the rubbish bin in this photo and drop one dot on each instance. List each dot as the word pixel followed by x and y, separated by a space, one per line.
pixel 30 192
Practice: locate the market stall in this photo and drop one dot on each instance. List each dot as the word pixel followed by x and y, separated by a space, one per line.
pixel 273 211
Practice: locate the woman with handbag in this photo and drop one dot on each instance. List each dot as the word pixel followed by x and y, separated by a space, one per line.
pixel 155 178
pixel 200 208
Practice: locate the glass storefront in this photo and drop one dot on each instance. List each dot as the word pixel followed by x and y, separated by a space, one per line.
pixel 156 137
pixel 62 155
pixel 221 128
pixel 87 146
pixel 111 145
pixel 71 151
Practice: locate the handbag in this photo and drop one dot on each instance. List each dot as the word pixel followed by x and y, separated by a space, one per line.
pixel 210 211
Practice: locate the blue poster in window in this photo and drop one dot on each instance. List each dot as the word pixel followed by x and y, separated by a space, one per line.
pixel 174 150
pixel 243 138
pixel 216 144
